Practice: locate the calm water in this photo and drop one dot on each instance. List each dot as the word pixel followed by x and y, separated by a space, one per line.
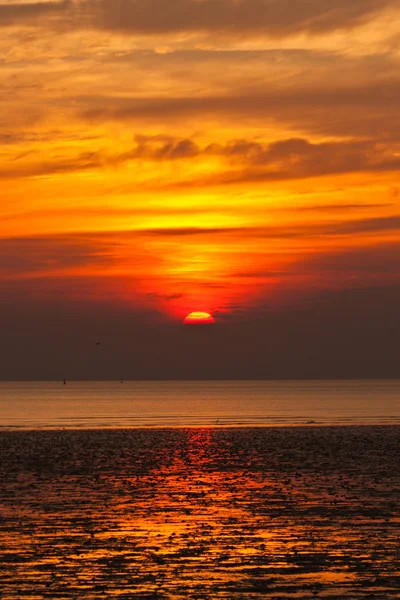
pixel 162 404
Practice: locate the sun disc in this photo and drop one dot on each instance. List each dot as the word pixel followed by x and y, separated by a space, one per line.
pixel 199 318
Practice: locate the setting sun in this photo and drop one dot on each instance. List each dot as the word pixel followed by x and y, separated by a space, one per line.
pixel 199 318
pixel 213 162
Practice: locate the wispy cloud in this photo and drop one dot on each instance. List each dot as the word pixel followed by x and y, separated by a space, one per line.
pixel 76 243
pixel 276 18
pixel 362 109
pixel 25 12
pixel 295 231
pixel 24 256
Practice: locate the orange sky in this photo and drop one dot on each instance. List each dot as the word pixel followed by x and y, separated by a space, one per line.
pixel 212 155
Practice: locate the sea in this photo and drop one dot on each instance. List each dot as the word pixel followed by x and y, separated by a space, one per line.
pixel 145 404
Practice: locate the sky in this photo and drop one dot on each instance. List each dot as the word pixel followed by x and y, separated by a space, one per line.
pixel 239 157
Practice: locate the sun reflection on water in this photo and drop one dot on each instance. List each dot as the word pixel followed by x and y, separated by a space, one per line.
pixel 200 513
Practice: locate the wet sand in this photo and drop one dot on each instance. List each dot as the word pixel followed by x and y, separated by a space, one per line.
pixel 291 512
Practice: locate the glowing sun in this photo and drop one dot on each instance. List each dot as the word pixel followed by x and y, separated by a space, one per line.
pixel 199 318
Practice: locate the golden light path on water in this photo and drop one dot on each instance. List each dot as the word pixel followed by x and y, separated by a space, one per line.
pixel 200 513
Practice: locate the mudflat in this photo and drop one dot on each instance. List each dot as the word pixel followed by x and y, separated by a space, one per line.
pixel 285 512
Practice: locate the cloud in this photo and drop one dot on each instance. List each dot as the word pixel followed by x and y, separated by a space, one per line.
pixel 364 109
pixel 156 148
pixel 161 148
pixel 282 159
pixel 377 263
pixel 96 245
pixel 291 231
pixel 329 208
pixel 297 158
pixel 190 231
pixel 381 259
pixel 337 335
pixel 168 297
pixel 374 224
pixel 293 158
pixel 82 162
pixel 275 17
pixel 14 14
pixel 24 256
pixel 242 160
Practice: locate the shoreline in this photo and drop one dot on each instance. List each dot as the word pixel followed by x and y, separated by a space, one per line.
pixel 238 426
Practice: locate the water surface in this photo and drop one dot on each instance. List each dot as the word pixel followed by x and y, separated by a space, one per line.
pixel 112 404
pixel 200 513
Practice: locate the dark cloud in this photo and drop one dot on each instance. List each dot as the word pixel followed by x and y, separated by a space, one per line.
pixel 14 14
pixel 290 231
pixel 263 274
pixel 275 17
pixel 46 257
pixel 283 159
pixel 160 148
pixel 294 158
pixel 157 148
pixel 82 162
pixel 348 333
pixel 49 324
pixel 24 256
pixel 298 158
pixel 155 296
pixel 381 224
pixel 328 208
pixel 381 259
pixel 377 261
pixel 336 228
pixel 364 110
pixel 189 231
pixel 63 251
